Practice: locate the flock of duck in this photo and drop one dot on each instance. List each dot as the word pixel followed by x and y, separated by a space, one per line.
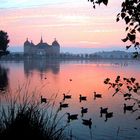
pixel 103 111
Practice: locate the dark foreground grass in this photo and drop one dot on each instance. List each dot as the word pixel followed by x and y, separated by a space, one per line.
pixel 28 119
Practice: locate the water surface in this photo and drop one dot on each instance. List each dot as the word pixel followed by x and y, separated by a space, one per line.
pixel 75 78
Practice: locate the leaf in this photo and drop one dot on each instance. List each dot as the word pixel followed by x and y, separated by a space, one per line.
pixel 136 26
pixel 118 14
pixel 138 29
pixel 130 12
pixel 137 84
pixel 117 90
pixel 117 79
pixel 129 88
pixel 133 31
pixel 99 2
pixel 135 90
pixel 123 4
pixel 126 28
pixel 117 19
pixel 106 81
pixel 137 43
pixel 113 85
pixel 132 79
pixel 105 2
pixel 131 37
pixel 125 39
pixel 127 20
pixel 124 78
pixel 123 15
pixel 131 24
pixel 94 6
pixel 120 84
pixel 127 47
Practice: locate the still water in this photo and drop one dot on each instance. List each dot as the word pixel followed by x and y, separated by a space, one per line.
pixel 75 78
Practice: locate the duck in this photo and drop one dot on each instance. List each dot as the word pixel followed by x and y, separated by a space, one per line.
pixel 82 98
pixel 108 115
pixel 66 96
pixel 63 105
pixel 97 95
pixel 103 111
pixel 43 100
pixel 129 108
pixel 127 95
pixel 84 110
pixel 87 122
pixel 72 117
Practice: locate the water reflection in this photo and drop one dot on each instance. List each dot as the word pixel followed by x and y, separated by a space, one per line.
pixel 42 66
pixel 84 78
pixel 4 81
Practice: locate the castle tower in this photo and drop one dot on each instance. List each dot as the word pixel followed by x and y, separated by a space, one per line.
pixel 56 47
pixel 41 40
pixel 27 46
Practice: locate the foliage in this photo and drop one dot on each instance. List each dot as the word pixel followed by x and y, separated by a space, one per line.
pixel 94 2
pixel 3 42
pixel 130 13
pixel 129 87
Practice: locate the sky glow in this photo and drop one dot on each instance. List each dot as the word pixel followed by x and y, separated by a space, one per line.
pixel 74 23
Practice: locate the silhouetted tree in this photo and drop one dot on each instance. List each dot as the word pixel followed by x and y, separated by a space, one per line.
pixel 4 40
pixel 130 13
pixel 130 84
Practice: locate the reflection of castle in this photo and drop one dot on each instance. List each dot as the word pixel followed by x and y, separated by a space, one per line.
pixel 42 66
pixel 41 48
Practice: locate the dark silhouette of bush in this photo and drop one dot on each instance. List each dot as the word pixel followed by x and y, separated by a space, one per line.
pixel 4 43
pixel 27 119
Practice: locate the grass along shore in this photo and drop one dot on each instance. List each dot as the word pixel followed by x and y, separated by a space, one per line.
pixel 24 117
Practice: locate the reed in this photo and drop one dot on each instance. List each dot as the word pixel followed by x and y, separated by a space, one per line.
pixel 24 117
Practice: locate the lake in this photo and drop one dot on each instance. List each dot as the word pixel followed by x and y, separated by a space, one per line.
pixel 75 78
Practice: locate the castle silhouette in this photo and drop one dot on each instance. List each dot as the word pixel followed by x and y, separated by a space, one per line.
pixel 42 48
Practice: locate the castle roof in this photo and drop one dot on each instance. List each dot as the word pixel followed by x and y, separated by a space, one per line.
pixel 55 43
pixel 32 44
pixel 42 45
pixel 26 43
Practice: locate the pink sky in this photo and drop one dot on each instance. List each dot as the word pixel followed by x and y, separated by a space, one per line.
pixel 74 24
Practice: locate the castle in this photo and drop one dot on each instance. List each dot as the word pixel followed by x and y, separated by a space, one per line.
pixel 42 48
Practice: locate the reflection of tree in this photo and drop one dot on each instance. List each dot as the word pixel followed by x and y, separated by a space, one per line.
pixel 41 66
pixel 3 78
